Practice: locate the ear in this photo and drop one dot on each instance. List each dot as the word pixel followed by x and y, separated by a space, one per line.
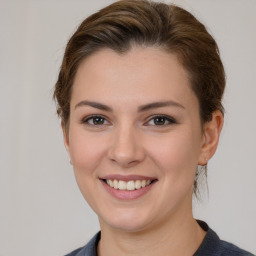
pixel 65 136
pixel 211 134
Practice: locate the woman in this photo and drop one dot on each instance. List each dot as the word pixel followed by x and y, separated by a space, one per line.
pixel 139 95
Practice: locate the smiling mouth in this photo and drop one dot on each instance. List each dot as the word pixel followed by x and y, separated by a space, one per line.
pixel 130 185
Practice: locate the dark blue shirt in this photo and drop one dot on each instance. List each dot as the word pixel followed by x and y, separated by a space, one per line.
pixel 211 246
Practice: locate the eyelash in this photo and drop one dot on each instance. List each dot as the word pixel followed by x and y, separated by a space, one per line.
pixel 93 117
pixel 169 119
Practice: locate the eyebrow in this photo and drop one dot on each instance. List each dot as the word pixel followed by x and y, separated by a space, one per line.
pixel 142 108
pixel 160 105
pixel 94 105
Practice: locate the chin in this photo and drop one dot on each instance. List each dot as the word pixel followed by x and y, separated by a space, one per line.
pixel 127 222
pixel 129 227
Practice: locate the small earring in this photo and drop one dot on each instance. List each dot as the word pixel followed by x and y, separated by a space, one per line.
pixel 70 162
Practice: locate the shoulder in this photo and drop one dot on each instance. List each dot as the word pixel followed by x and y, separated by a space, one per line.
pixel 212 245
pixel 230 249
pixel 75 252
pixel 90 249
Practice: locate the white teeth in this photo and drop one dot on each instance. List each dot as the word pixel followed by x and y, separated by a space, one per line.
pixel 137 184
pixel 115 183
pixel 110 183
pixel 122 185
pixel 130 185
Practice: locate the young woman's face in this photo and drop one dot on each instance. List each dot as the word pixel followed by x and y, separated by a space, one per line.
pixel 134 125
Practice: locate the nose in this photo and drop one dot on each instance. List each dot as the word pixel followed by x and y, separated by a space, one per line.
pixel 126 148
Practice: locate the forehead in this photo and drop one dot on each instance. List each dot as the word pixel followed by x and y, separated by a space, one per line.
pixel 142 71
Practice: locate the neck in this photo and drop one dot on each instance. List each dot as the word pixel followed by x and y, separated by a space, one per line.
pixel 180 235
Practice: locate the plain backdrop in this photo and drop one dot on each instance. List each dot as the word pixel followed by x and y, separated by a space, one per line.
pixel 41 209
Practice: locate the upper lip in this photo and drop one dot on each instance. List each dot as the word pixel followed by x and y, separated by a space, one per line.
pixel 126 177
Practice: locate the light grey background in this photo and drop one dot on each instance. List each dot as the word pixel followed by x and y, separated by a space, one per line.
pixel 41 209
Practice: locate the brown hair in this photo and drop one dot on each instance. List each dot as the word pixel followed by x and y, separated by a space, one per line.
pixel 141 22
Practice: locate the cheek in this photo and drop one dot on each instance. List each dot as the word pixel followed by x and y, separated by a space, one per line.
pixel 176 154
pixel 86 151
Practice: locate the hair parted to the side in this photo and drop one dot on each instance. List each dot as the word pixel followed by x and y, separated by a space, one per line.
pixel 125 23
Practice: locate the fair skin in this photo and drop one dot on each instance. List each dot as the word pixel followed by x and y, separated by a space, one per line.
pixel 126 141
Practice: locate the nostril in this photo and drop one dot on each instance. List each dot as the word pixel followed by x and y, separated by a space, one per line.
pixel 126 160
pixel 125 148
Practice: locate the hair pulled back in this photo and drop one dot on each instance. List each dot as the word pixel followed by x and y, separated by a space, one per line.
pixel 125 23
pixel 140 22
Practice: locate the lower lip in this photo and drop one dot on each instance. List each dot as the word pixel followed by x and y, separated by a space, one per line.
pixel 127 194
